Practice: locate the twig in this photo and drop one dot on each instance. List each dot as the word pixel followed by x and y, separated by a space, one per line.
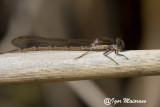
pixel 40 66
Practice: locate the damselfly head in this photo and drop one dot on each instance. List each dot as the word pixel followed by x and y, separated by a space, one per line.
pixel 119 44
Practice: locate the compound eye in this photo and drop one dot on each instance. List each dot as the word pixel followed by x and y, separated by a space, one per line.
pixel 119 44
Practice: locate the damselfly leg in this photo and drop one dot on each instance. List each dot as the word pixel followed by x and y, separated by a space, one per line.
pixel 106 55
pixel 83 55
pixel 116 52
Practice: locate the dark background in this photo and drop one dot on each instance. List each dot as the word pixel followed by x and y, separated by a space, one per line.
pixel 137 22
